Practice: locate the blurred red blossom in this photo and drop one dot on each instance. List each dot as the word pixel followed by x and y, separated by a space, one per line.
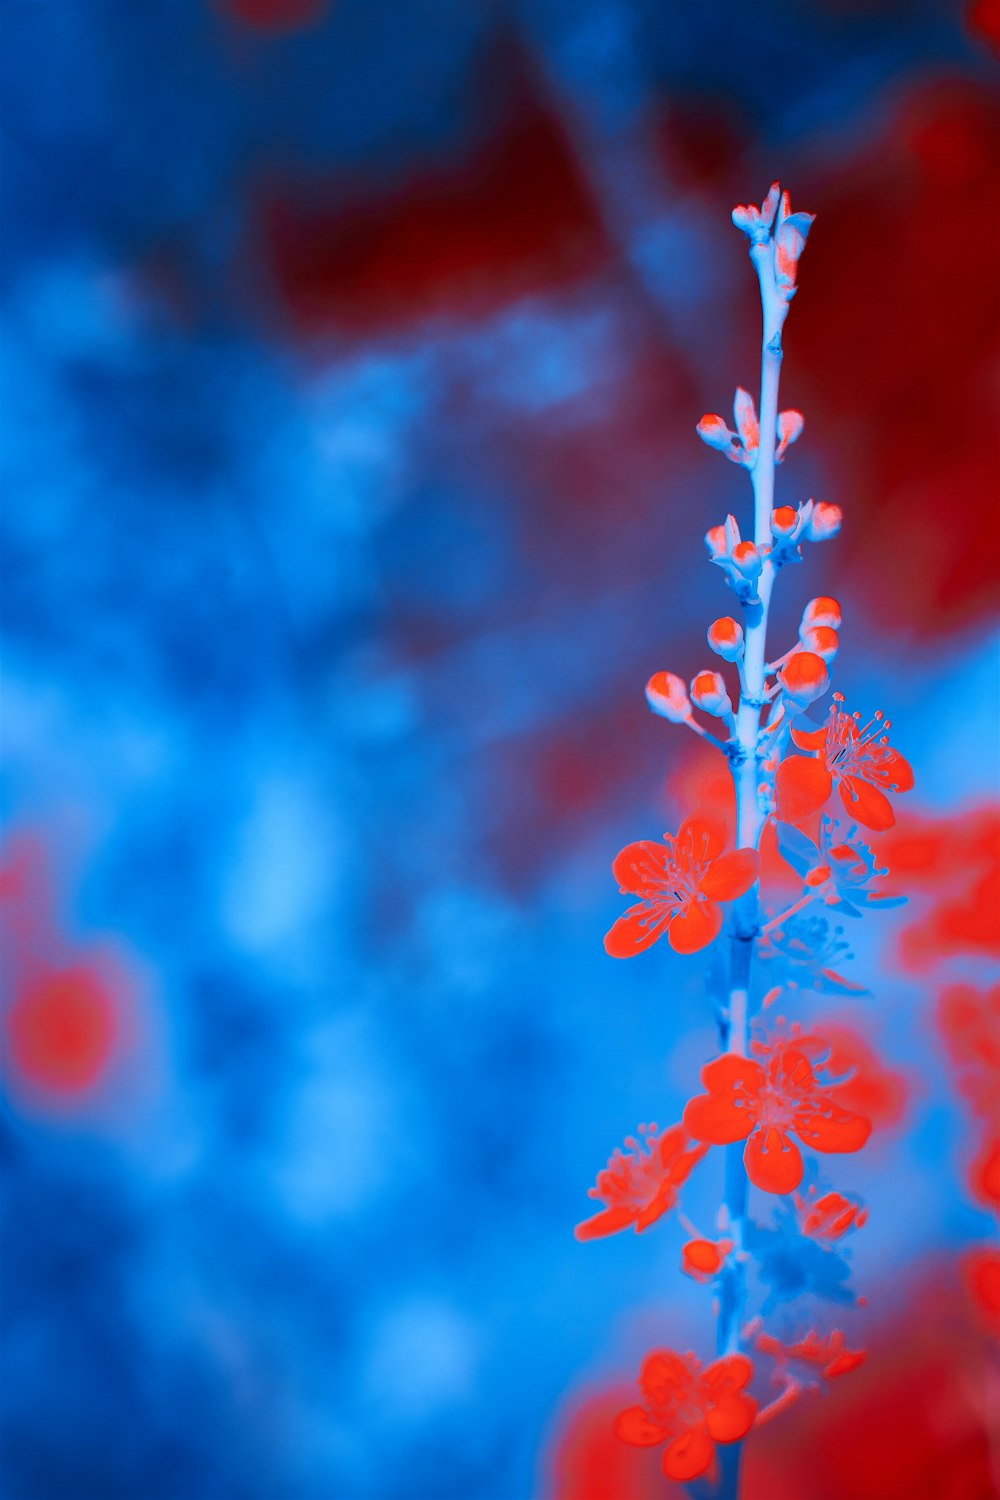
pixel 690 1410
pixel 828 1352
pixel 67 1011
pixel 951 869
pixel 641 1184
pixel 913 1420
pixel 831 1216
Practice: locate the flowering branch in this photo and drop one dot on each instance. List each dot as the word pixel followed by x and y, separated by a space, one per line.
pixel 764 1095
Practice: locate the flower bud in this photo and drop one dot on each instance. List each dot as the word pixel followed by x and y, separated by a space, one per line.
pixel 747 425
pixel 714 431
pixel 822 611
pixel 725 637
pixel 824 521
pixel 784 521
pixel 708 692
pixel 667 696
pixel 715 541
pixel 822 640
pixel 790 425
pixel 804 678
pixel 747 559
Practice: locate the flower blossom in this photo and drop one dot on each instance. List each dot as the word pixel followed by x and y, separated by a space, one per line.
pixel 690 1409
pixel 804 949
pixel 831 1216
pixel 830 1354
pixel 680 883
pixel 838 873
pixel 857 759
pixel 981 1271
pixel 641 1184
pixel 763 1104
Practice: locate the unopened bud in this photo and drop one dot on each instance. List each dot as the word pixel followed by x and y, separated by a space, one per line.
pixel 822 640
pixel 708 692
pixel 715 541
pixel 725 637
pixel 804 678
pixel 824 522
pixel 823 611
pixel 747 559
pixel 784 520
pixel 667 696
pixel 790 425
pixel 715 432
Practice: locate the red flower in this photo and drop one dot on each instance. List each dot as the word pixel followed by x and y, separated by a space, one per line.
pixel 690 1410
pixel 831 1353
pixel 858 759
pixel 681 883
pixel 703 1259
pixel 984 1174
pixel 830 1217
pixel 747 1101
pixel 640 1186
pixel 981 1268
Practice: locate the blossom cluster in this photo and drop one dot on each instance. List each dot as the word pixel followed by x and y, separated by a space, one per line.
pixel 772 1097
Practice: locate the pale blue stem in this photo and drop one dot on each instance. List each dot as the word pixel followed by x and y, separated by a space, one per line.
pixel 746 770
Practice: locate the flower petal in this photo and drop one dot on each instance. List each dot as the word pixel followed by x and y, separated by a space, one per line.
pixel 638 929
pixel 730 875
pixel 731 1419
pixel 801 787
pixel 665 1199
pixel 696 927
pixel 727 1375
pixel 773 1161
pixel 809 739
pixel 866 803
pixel 707 833
pixel 643 868
pixel 899 771
pixel 635 1425
pixel 727 1112
pixel 689 1456
pixel 665 1378
pixel 608 1221
pixel 826 1126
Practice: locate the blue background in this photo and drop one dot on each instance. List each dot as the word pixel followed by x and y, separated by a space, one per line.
pixel 352 361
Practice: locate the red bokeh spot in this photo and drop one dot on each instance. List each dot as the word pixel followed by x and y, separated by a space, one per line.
pixel 984 21
pixel 462 239
pixel 62 1028
pixel 951 870
pixel 275 15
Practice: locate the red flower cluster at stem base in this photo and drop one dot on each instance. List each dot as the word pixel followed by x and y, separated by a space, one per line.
pixel 690 1410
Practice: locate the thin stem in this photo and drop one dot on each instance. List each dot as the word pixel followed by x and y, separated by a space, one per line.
pixel 778 1405
pixel 777 921
pixel 746 768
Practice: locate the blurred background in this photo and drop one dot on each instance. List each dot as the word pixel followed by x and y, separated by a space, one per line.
pixel 353 352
